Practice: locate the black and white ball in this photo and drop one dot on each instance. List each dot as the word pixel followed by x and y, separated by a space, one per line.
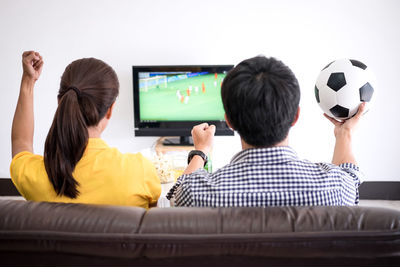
pixel 342 86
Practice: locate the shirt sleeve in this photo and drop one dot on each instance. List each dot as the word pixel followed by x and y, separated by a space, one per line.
pixel 354 171
pixel 357 178
pixel 350 178
pixel 18 169
pixel 182 191
pixel 173 189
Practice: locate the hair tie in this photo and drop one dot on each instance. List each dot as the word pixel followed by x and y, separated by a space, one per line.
pixel 78 93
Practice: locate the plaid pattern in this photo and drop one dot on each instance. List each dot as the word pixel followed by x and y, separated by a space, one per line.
pixel 269 177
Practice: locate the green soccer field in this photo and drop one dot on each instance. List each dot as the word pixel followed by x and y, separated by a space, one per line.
pixel 164 103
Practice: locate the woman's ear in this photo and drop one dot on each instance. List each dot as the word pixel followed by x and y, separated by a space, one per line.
pixel 109 111
pixel 296 117
pixel 228 122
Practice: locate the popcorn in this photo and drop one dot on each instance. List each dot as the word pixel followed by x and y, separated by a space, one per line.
pixel 164 168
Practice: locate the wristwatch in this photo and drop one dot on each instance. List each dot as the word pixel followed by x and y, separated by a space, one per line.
pixel 199 153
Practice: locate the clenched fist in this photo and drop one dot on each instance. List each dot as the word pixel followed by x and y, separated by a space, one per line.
pixel 203 137
pixel 32 64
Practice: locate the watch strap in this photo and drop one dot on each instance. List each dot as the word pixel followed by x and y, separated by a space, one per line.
pixel 198 153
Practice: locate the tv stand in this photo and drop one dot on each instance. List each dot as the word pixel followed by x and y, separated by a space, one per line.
pixel 178 141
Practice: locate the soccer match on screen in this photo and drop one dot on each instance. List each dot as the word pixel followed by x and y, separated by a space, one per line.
pixel 180 96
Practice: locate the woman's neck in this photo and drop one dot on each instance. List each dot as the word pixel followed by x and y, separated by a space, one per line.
pixel 94 132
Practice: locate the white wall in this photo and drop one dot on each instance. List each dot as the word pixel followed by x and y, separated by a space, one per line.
pixel 306 35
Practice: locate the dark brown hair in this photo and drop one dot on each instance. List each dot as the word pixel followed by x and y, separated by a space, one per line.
pixel 88 88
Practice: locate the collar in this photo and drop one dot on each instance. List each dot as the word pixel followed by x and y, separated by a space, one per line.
pixel 270 155
pixel 96 143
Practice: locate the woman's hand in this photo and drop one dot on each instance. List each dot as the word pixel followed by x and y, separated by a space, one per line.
pixel 32 64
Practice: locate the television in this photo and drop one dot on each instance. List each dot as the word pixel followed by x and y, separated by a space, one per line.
pixel 170 100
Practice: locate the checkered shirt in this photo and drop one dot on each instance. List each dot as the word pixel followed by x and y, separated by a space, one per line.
pixel 269 177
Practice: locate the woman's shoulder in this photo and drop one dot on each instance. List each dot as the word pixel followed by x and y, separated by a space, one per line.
pixel 24 158
pixel 27 169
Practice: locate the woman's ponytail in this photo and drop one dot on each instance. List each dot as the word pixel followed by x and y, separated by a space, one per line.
pixel 65 144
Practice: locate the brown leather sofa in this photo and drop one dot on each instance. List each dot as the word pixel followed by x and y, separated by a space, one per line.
pixel 58 234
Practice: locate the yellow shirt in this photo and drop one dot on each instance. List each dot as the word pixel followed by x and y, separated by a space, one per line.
pixel 105 176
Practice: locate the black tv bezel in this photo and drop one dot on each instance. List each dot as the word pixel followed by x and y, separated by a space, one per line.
pixel 172 128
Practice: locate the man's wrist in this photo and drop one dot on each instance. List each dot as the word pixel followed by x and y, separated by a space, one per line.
pixel 205 150
pixel 198 154
pixel 344 134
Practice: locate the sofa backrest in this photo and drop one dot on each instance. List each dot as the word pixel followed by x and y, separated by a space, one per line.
pixel 82 218
pixel 163 233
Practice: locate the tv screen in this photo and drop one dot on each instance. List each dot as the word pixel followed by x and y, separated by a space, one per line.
pixel 170 100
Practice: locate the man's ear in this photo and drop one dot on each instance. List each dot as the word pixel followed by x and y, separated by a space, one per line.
pixel 109 111
pixel 228 122
pixel 296 117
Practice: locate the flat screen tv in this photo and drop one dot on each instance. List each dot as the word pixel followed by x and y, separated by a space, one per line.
pixel 170 100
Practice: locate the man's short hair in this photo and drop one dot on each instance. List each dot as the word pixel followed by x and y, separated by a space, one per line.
pixel 261 96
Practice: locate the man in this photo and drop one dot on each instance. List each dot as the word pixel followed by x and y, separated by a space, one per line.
pixel 261 101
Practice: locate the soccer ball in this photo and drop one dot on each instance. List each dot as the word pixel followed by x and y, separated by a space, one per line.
pixel 341 87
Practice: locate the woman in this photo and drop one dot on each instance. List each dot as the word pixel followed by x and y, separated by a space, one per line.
pixel 77 165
